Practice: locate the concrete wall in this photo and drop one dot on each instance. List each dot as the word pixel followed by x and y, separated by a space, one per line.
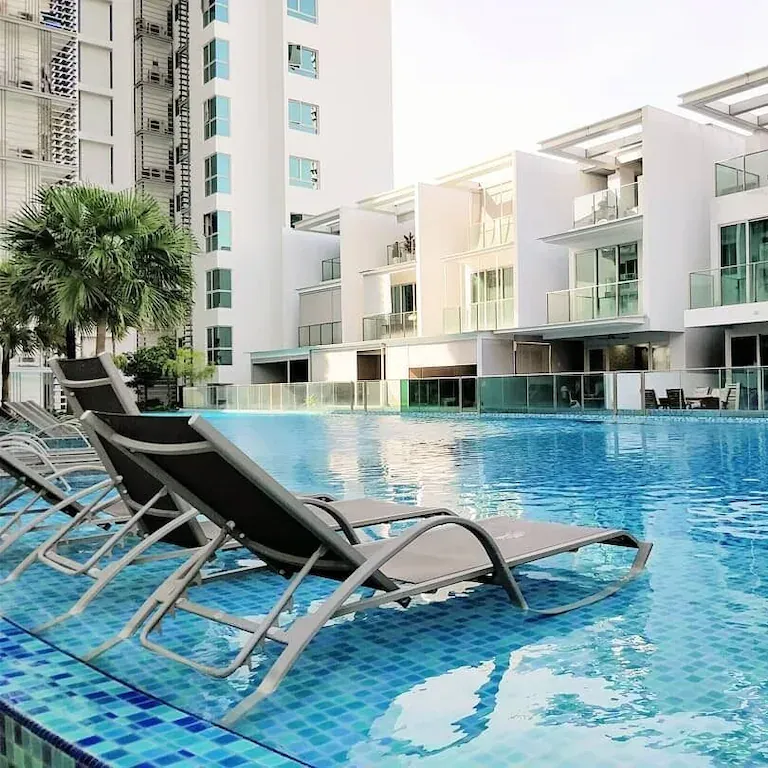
pixel 442 229
pixel 364 239
pixel 443 353
pixel 545 190
pixel 333 365
pixel 678 178
pixel 302 254
pixel 496 357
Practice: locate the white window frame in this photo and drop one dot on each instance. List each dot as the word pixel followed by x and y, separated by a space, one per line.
pixel 214 67
pixel 294 8
pixel 309 175
pixel 314 115
pixel 297 63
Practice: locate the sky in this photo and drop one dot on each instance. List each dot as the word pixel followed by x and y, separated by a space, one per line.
pixel 476 78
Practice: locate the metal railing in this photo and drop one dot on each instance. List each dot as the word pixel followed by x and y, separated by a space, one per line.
pixel 490 233
pixel 606 205
pixel 742 173
pixel 396 325
pixel 705 392
pixel 482 316
pixel 723 286
pixel 400 253
pixel 331 269
pixel 595 302
pixel 319 334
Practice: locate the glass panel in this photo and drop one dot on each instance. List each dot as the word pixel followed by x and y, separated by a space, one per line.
pixel 628 200
pixel 605 206
pixel 629 298
pixel 606 265
pixel 583 304
pixel 733 284
pixel 758 240
pixel 606 301
pixel 760 283
pixel 743 350
pixel 585 268
pixel 733 245
pixel 729 177
pixel 558 307
pixel 756 170
pixel 628 262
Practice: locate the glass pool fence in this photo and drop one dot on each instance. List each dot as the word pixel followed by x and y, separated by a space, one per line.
pixel 706 391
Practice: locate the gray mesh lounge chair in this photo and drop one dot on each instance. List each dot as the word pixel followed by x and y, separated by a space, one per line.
pixel 57 493
pixel 198 463
pixel 45 424
pixel 160 515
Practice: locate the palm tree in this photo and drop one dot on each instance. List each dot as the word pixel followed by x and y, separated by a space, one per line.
pixel 95 259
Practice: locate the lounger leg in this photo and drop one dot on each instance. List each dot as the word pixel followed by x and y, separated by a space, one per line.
pixel 113 569
pixel 258 633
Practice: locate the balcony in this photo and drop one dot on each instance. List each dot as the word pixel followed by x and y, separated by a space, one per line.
pixel 606 205
pixel 595 302
pixel 319 334
pixel 401 252
pixel 725 286
pixel 741 174
pixel 331 269
pixel 397 325
pixel 491 233
pixel 482 316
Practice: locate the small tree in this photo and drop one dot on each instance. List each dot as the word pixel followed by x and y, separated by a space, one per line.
pixel 190 365
pixel 145 366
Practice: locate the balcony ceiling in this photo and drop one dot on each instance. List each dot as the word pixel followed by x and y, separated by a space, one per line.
pixel 599 146
pixel 604 327
pixel 627 230
pixel 741 101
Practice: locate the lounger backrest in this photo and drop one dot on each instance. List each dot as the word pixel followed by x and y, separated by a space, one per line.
pixel 36 482
pixel 95 384
pixel 651 401
pixel 198 463
pixel 676 398
pixel 44 416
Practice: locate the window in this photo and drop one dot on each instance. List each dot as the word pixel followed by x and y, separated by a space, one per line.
pixel 215 10
pixel 491 285
pixel 217 230
pixel 216 117
pixel 302 60
pixel 303 9
pixel 403 298
pixel 303 172
pixel 302 116
pixel 218 288
pixel 296 218
pixel 216 60
pixel 606 266
pixel 217 174
pixel 219 346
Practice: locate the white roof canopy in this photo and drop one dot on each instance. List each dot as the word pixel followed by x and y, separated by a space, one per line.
pixel 601 146
pixel 740 101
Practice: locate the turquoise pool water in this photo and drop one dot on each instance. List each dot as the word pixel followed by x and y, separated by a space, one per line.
pixel 672 671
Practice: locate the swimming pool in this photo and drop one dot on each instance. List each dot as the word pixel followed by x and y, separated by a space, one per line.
pixel 671 671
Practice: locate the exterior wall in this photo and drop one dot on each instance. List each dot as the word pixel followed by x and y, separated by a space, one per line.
pixel 678 180
pixel 333 364
pixel 302 254
pixel 442 229
pixel 495 357
pixel 440 353
pixel 364 239
pixel 545 190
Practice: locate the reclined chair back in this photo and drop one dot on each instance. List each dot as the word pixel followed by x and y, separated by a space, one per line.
pixel 94 383
pixel 199 464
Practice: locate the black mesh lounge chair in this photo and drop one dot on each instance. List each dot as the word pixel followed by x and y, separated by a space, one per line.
pixel 159 515
pixel 199 464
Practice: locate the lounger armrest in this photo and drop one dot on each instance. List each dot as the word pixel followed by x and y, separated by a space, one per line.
pixel 344 525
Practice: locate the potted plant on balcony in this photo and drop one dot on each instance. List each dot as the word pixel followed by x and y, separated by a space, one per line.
pixel 409 241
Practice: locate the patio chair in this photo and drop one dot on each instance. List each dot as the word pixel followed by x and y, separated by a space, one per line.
pixel 157 514
pixel 676 399
pixel 45 424
pixel 651 401
pixel 199 464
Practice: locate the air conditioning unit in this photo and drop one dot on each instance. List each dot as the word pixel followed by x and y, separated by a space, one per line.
pixel 154 29
pixel 156 173
pixel 153 76
pixel 154 125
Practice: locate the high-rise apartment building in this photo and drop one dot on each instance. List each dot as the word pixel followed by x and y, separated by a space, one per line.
pixel 241 117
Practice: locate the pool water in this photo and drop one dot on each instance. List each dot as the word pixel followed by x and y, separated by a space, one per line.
pixel 671 671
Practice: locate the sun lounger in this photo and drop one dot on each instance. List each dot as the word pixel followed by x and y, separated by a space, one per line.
pixel 160 515
pixel 199 464
pixel 45 424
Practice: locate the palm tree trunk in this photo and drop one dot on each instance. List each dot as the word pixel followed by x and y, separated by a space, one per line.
pixel 6 375
pixel 71 341
pixel 101 337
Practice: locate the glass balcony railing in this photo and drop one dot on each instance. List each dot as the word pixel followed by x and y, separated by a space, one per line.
pixel 606 205
pixel 397 325
pixel 491 233
pixel 331 269
pixel 595 302
pixel 400 253
pixel 740 174
pixel 723 286
pixel 483 316
pixel 320 333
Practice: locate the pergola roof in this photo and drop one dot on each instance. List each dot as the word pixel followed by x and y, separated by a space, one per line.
pixel 740 101
pixel 600 145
